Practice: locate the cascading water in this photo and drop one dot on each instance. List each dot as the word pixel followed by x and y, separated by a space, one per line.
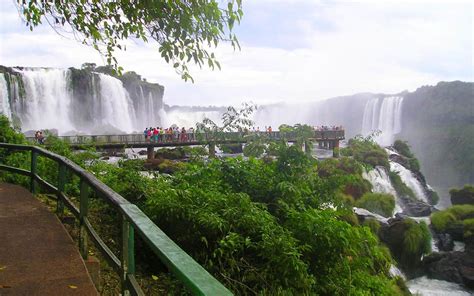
pixel 47 99
pixel 409 179
pixel 383 114
pixel 381 183
pixel 115 107
pixel 4 98
pixel 77 102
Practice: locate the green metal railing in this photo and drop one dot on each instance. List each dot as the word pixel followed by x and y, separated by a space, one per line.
pixel 196 279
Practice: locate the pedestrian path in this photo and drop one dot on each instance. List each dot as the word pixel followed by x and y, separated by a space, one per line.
pixel 37 255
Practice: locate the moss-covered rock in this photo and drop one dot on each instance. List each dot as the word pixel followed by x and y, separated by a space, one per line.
pixel 456 220
pixel 462 196
pixel 408 241
pixel 379 203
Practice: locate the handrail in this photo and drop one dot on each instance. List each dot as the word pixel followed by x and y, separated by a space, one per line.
pixel 194 277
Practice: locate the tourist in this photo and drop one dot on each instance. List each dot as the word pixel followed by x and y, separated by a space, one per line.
pixel 145 133
pixel 184 137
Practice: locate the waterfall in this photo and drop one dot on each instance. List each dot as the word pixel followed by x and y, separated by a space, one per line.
pixel 47 99
pixel 409 179
pixel 384 115
pixel 370 119
pixel 4 98
pixel 381 183
pixel 114 104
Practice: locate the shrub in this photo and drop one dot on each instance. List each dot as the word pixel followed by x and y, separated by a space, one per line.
pixel 373 225
pixel 366 151
pixel 357 186
pixel 416 242
pixel 440 220
pixel 468 227
pixel 403 148
pixel 453 217
pixel 379 203
pixel 401 188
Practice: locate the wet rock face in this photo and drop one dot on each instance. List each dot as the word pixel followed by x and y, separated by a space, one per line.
pixel 416 208
pixel 457 267
pixel 445 242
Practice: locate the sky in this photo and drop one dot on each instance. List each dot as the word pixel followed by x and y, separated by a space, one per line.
pixel 291 51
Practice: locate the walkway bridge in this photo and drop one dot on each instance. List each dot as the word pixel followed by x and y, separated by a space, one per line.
pixel 37 256
pixel 326 139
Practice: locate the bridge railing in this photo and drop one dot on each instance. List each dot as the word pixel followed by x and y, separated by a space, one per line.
pixel 197 280
pixel 130 139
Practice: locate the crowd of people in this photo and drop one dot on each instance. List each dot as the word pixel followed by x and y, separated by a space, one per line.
pixel 328 128
pixel 176 134
pixel 39 137
pixel 171 134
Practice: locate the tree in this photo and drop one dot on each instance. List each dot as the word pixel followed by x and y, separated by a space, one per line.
pixel 185 30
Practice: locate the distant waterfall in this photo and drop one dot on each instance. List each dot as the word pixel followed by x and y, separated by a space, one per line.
pixel 47 100
pixel 74 101
pixel 381 183
pixel 116 108
pixel 409 179
pixel 4 98
pixel 383 114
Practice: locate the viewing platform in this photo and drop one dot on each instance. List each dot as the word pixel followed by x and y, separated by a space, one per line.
pixel 326 139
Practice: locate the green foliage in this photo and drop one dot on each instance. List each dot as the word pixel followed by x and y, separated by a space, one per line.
pixel 261 226
pixel 366 151
pixel 440 220
pixel 455 215
pixel 373 225
pixel 468 226
pixel 184 31
pixel 417 239
pixel 379 203
pixel 8 134
pixel 401 188
pixel 403 148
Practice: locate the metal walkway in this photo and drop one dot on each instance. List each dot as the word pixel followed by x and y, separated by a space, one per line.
pixel 37 255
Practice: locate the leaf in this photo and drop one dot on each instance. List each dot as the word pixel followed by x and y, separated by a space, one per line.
pixel 72 287
pixel 3 267
pixel 154 277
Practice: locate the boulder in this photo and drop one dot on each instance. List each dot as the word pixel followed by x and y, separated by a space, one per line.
pixel 417 208
pixel 457 267
pixel 445 242
pixel 463 196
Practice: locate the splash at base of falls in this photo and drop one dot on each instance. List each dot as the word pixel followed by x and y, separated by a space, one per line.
pixel 431 287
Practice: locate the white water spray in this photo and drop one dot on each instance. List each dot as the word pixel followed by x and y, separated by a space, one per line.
pixel 381 183
pixel 47 100
pixel 116 108
pixel 4 98
pixel 409 179
pixel 385 115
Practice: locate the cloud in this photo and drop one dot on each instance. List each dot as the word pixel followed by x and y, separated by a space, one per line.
pixel 291 51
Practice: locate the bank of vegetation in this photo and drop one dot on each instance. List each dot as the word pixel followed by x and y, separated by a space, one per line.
pixel 281 224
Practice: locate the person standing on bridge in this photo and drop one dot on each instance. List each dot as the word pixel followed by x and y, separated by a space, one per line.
pixel 145 133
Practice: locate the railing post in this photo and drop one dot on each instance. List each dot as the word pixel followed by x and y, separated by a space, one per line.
pixel 128 253
pixel 84 208
pixel 61 185
pixel 34 158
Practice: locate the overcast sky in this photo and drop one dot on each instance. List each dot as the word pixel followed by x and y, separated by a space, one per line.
pixel 292 50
